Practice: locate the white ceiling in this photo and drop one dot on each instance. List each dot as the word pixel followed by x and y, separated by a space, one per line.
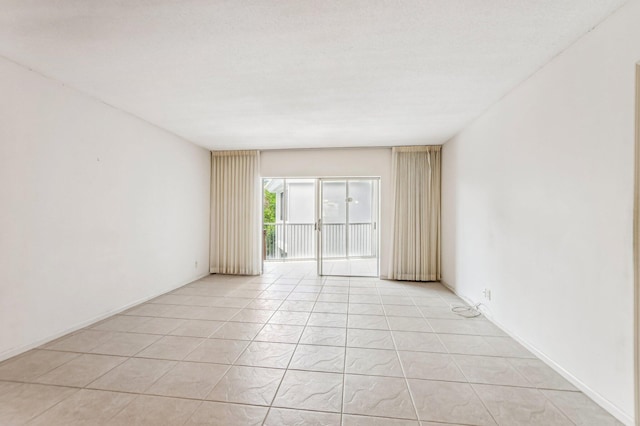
pixel 296 73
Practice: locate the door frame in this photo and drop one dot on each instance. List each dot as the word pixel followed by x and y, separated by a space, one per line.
pixel 319 223
pixel 636 249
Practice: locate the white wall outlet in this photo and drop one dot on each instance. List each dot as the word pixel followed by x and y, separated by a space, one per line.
pixel 487 293
pixel 196 264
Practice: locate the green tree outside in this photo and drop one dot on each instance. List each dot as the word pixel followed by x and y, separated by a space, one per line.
pixel 269 217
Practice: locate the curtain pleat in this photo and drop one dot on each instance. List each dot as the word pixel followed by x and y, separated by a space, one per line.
pixel 236 242
pixel 415 246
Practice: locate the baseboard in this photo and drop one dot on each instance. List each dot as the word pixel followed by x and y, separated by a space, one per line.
pixel 607 405
pixel 17 351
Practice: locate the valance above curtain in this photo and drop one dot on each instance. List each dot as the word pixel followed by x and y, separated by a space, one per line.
pixel 235 213
pixel 415 249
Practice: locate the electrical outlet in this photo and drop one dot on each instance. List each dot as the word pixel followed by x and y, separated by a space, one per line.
pixel 196 264
pixel 487 293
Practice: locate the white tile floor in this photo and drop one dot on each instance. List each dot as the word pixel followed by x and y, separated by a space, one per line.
pixel 290 348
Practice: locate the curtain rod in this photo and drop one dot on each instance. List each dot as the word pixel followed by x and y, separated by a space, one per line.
pixel 324 149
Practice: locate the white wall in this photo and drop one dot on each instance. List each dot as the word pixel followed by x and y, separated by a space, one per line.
pixel 370 162
pixel 538 203
pixel 98 209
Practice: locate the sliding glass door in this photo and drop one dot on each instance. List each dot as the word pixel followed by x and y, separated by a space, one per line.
pixel 348 226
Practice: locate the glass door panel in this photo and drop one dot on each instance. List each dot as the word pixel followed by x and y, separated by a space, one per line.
pixel 348 227
pixel 288 219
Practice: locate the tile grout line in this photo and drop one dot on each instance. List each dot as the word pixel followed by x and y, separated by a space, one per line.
pixel 344 361
pixel 404 374
pixel 292 355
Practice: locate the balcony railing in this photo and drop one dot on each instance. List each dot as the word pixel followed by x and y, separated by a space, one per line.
pixel 297 241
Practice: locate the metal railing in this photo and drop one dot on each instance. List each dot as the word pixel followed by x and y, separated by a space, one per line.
pixel 297 241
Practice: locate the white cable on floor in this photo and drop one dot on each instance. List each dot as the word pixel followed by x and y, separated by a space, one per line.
pixel 467 311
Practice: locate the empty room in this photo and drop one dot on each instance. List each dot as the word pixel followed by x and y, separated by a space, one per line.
pixel 340 212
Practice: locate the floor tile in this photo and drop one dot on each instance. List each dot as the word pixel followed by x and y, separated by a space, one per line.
pixel 172 299
pixel 120 323
pixel 148 310
pixel 85 407
pixel 402 311
pixel 81 371
pixel 580 409
pixel 319 319
pixel 194 359
pixel 448 402
pixel 297 306
pixel 237 331
pixel 490 370
pixel 266 304
pixel 507 347
pixel 159 326
pixel 33 364
pixel 371 322
pixel 379 362
pixel 266 354
pixel 189 380
pixel 355 420
pixel 253 315
pixel 134 375
pixel 23 401
pixel 148 410
pixel 309 297
pixel 304 288
pixel 474 326
pixel 218 314
pixel 397 300
pixel 274 295
pixel 333 297
pixel 540 374
pixel 218 414
pixel 280 333
pixel 377 396
pixel 289 417
pixel 310 390
pixel 419 342
pixel 467 345
pixel 430 366
pixel 196 328
pixel 125 344
pixel 248 385
pixel 218 351
pixel 289 318
pixel 331 307
pixel 433 300
pixel 327 336
pixel 365 298
pixel 318 358
pixel 187 312
pixel 520 406
pixel 372 339
pixel 334 289
pixel 442 312
pixel 170 347
pixel 409 324
pixel 82 341
pixel 6 387
pixel 365 309
pixel 232 302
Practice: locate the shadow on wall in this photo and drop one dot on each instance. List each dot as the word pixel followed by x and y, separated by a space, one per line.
pixel 449 224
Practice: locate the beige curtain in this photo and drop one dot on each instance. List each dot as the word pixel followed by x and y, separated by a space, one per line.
pixel 236 243
pixel 415 246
